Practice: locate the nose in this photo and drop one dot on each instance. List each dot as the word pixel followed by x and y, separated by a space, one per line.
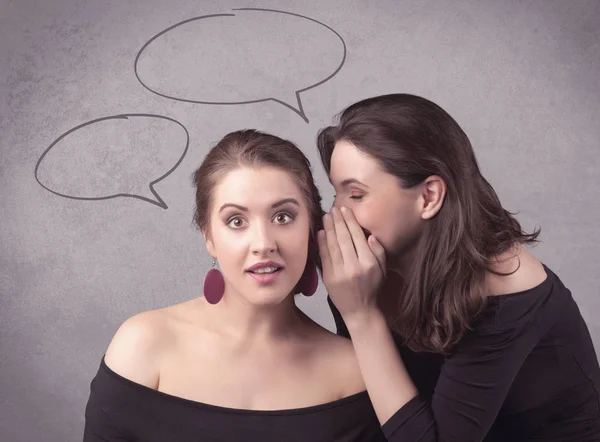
pixel 263 240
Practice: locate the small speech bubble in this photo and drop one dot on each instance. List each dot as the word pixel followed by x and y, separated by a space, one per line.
pixel 113 156
pixel 251 56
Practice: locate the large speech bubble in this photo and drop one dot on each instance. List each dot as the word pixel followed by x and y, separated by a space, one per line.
pixel 112 157
pixel 251 56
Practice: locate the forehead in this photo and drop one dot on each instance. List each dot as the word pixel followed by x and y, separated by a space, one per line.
pixel 260 186
pixel 347 161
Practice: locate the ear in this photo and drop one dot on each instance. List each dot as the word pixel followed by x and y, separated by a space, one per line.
pixel 433 194
pixel 210 246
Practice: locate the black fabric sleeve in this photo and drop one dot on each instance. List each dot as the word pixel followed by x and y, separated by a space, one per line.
pixel 474 381
pixel 471 389
pixel 340 325
pixel 100 426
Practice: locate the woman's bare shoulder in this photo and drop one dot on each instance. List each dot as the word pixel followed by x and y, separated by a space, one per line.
pixel 137 347
pixel 341 363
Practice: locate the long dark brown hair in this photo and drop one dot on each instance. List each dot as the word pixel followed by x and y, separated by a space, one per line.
pixel 413 138
pixel 252 148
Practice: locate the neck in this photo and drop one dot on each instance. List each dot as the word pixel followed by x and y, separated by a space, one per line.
pixel 248 323
pixel 401 264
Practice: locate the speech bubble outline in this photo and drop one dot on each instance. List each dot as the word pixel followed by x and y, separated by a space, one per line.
pixel 158 202
pixel 299 110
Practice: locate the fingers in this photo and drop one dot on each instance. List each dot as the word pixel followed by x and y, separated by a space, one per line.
pixel 344 238
pixel 324 252
pixel 378 251
pixel 358 236
pixel 331 241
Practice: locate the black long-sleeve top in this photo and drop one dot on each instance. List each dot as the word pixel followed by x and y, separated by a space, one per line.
pixel 528 371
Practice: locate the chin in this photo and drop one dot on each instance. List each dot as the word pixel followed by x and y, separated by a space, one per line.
pixel 268 297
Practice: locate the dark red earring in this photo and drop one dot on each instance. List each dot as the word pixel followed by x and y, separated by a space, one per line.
pixel 309 281
pixel 214 285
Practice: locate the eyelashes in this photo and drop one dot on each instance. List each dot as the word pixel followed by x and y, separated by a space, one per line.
pixel 352 197
pixel 289 218
pixel 231 220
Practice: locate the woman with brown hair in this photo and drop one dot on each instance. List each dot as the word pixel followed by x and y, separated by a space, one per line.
pixel 242 362
pixel 461 334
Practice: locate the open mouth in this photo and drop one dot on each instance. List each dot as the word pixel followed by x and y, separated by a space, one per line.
pixel 265 270
pixel 265 274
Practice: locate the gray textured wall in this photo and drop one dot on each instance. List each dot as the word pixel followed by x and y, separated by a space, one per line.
pixel 520 76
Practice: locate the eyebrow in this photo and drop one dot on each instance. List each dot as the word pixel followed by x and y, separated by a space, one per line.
pixel 352 181
pixel 273 206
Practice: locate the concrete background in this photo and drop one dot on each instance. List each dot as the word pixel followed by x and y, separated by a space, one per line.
pixel 76 260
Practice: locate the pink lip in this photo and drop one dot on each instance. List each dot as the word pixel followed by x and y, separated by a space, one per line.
pixel 260 265
pixel 265 278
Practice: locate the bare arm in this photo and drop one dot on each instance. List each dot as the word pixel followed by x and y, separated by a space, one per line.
pixel 389 385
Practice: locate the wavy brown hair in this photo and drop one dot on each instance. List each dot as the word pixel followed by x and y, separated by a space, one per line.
pixel 252 148
pixel 413 138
